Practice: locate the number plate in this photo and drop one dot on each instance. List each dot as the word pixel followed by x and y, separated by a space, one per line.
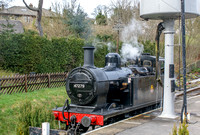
pixel 79 86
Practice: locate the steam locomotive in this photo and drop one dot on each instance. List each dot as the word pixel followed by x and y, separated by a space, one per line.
pixel 101 95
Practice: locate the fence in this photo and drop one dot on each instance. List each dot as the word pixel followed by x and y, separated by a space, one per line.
pixel 25 83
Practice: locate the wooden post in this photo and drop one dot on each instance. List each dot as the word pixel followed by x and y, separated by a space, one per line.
pixel 45 128
pixel 49 80
pixel 117 48
pixel 118 26
pixel 26 87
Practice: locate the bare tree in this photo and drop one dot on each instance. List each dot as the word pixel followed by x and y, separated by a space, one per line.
pixel 122 10
pixel 4 4
pixel 39 15
pixel 101 9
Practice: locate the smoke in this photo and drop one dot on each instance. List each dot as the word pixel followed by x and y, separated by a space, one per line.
pixel 99 44
pixel 111 46
pixel 131 49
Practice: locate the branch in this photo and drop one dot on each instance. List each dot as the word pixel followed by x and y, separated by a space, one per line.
pixel 34 9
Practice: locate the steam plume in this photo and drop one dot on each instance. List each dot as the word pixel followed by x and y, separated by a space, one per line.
pixel 131 49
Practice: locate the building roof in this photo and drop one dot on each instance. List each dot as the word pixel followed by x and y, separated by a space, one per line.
pixel 24 11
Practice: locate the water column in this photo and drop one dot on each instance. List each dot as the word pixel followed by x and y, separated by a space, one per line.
pixel 169 80
pixel 168 10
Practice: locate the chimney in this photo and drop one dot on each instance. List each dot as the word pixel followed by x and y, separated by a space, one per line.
pixel 2 7
pixel 88 56
pixel 31 5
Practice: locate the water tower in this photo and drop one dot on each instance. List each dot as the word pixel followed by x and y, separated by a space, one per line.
pixel 168 11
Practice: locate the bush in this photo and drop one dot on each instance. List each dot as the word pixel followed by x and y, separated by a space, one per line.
pixel 100 54
pixel 182 129
pixel 105 37
pixel 149 47
pixel 101 19
pixel 34 116
pixel 29 52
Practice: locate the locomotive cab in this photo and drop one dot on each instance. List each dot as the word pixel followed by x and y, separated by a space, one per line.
pixel 146 65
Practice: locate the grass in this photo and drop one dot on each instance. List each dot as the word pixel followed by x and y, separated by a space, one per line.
pixel 5 73
pixel 11 106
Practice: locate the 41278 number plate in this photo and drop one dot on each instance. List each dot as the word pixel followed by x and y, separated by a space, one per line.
pixel 79 86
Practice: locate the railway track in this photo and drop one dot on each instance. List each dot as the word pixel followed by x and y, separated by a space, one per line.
pixel 190 93
pixel 146 115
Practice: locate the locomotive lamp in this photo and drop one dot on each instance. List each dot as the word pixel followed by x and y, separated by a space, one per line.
pixel 168 11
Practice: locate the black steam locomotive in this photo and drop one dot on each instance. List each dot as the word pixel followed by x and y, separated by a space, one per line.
pixel 99 95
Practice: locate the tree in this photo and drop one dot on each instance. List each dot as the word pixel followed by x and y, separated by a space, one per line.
pixel 101 8
pixel 101 19
pixel 4 3
pixel 75 18
pixel 122 10
pixel 39 15
pixel 192 27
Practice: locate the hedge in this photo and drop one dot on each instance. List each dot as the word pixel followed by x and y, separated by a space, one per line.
pixel 28 52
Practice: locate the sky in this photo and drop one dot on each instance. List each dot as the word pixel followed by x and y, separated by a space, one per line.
pixel 87 5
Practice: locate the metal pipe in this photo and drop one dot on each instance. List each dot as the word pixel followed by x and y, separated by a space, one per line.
pixel 159 30
pixel 183 60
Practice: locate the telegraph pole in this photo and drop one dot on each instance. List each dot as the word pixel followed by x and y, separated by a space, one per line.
pixel 118 27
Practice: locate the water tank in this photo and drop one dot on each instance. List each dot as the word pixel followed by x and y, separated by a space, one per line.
pixel 168 9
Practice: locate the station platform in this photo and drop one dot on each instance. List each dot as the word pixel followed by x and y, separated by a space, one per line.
pixel 150 124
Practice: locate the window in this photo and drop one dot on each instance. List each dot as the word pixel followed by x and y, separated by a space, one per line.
pixel 147 63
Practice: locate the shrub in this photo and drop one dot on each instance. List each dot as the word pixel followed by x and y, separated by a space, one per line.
pixel 101 19
pixel 182 129
pixel 100 54
pixel 29 52
pixel 30 115
pixel 149 47
pixel 105 37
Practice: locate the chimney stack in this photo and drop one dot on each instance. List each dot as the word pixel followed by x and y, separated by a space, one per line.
pixel 88 56
pixel 31 5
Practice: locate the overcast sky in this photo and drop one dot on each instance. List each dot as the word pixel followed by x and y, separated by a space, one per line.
pixel 87 5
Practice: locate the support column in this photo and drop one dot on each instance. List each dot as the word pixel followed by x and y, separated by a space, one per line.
pixel 169 80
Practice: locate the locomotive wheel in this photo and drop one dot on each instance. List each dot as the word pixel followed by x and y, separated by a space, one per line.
pixel 83 129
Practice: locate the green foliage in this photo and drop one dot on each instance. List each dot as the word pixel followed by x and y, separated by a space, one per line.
pixel 30 115
pixel 76 20
pixel 101 19
pixel 5 73
pixel 174 130
pixel 7 28
pixel 29 52
pixel 99 55
pixel 149 47
pixel 182 129
pixel 105 37
pixel 29 108
pixel 196 70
